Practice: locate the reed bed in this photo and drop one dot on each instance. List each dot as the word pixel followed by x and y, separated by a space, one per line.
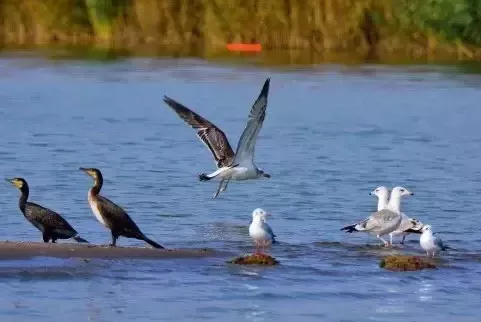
pixel 367 29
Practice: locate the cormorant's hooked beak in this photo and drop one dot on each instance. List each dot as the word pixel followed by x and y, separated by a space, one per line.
pixel 9 180
pixel 266 175
pixel 85 170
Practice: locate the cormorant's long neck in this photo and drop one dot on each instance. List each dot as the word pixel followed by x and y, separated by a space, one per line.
pixel 95 190
pixel 22 202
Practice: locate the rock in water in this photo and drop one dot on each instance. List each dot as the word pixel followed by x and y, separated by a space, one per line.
pixel 402 263
pixel 255 259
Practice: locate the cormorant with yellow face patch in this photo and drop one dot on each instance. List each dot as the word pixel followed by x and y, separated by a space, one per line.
pixel 50 223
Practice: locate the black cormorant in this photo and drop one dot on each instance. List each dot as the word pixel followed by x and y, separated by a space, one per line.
pixel 110 215
pixel 51 224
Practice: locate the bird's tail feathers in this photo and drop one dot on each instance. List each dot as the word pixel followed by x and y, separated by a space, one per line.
pixel 79 239
pixel 151 242
pixel 413 231
pixel 207 177
pixel 350 228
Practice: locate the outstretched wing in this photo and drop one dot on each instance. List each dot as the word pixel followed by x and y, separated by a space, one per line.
pixel 215 140
pixel 247 141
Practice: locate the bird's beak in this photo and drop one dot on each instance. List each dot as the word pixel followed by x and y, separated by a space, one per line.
pixel 9 180
pixel 84 170
pixel 412 193
pixel 371 193
pixel 267 175
pixel 268 214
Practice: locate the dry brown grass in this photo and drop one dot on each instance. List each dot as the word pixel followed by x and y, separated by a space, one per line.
pixel 203 27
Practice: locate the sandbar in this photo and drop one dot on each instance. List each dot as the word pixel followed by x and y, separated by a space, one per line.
pixel 10 250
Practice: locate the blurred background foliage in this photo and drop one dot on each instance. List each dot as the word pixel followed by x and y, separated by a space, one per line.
pixel 369 28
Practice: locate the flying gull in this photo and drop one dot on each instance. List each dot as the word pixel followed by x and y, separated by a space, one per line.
pixel 408 225
pixel 260 231
pixel 384 221
pixel 230 166
pixel 430 243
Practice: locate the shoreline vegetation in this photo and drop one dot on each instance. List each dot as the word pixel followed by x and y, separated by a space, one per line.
pixel 290 31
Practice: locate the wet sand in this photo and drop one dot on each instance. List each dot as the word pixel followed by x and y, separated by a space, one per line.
pixel 9 250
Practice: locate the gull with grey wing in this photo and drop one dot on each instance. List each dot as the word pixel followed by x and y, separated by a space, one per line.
pixel 384 221
pixel 230 166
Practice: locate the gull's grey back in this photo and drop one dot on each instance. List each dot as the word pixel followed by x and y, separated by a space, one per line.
pixel 385 216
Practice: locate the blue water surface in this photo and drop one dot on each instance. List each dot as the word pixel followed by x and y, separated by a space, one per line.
pixel 331 135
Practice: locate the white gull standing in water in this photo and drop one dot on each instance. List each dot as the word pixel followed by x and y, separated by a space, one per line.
pixel 230 166
pixel 408 225
pixel 260 231
pixel 384 221
pixel 430 243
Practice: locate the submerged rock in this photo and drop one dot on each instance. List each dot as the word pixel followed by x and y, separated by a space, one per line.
pixel 401 263
pixel 255 259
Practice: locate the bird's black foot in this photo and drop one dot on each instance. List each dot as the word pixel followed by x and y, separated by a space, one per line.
pixel 112 245
pixel 203 177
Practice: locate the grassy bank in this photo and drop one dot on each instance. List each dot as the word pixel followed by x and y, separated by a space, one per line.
pixel 365 29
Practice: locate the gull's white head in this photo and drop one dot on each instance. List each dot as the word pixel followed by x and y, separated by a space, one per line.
pixel 398 192
pixel 395 198
pixel 380 192
pixel 259 213
pixel 426 228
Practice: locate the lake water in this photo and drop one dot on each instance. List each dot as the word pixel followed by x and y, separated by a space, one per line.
pixel 331 135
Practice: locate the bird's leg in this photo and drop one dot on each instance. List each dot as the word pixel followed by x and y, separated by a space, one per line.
pixel 390 239
pixel 222 187
pixel 45 236
pixel 386 244
pixel 266 243
pixel 114 240
pixel 54 240
pixel 402 241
